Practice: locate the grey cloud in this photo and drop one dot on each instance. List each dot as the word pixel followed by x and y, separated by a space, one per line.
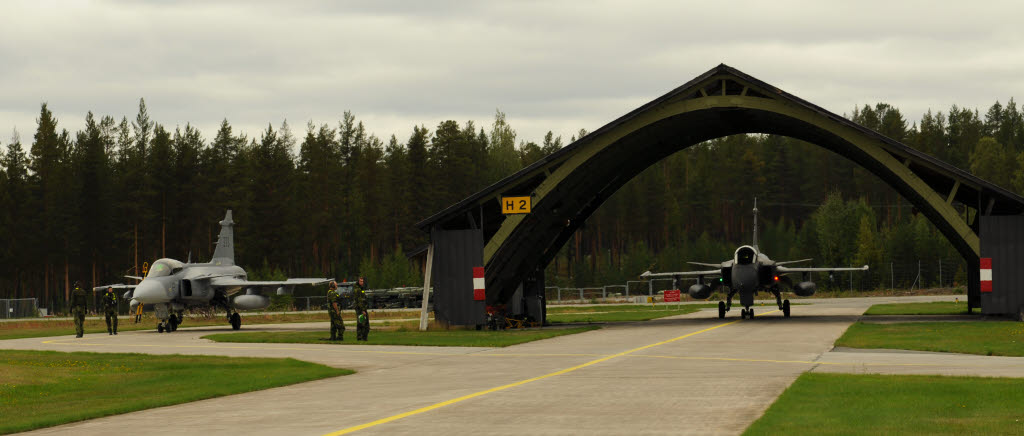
pixel 566 65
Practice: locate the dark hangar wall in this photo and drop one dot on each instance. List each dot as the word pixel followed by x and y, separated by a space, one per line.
pixel 456 252
pixel 1002 240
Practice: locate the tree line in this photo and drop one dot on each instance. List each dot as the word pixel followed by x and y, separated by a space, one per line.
pixel 93 205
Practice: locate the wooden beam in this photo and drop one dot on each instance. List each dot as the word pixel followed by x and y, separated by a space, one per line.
pixel 952 192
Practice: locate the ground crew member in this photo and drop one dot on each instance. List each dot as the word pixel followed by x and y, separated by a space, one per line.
pixel 79 300
pixel 110 308
pixel 360 306
pixel 334 310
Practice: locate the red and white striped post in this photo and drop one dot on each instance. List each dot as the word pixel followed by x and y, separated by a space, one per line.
pixel 986 274
pixel 478 284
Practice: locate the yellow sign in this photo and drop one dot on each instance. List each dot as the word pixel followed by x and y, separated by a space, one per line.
pixel 512 205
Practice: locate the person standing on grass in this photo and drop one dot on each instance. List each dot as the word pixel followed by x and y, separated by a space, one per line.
pixel 360 306
pixel 110 308
pixel 334 310
pixel 78 306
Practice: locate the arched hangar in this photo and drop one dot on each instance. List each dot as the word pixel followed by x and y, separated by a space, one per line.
pixel 567 186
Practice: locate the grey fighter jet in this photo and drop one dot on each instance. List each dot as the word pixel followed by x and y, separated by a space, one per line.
pixel 748 273
pixel 171 286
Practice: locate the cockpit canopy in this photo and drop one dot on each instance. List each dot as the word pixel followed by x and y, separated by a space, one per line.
pixel 745 255
pixel 164 267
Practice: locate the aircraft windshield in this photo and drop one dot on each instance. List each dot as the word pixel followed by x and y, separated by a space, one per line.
pixel 164 267
pixel 745 256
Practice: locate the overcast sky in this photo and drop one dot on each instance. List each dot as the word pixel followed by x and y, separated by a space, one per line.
pixel 548 65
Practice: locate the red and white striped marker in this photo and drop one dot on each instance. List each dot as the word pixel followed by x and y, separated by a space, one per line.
pixel 986 274
pixel 478 284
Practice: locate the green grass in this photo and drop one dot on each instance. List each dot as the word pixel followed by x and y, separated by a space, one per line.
pixel 932 308
pixel 992 338
pixel 438 338
pixel 585 314
pixel 57 327
pixel 845 404
pixel 47 388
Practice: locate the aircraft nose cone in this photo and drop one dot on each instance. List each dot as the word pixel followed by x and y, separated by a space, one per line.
pixel 744 278
pixel 150 292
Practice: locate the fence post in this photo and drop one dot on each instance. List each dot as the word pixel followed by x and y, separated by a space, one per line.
pixel 559 292
pixel 851 279
pixel 940 273
pixel 650 288
pixel 581 294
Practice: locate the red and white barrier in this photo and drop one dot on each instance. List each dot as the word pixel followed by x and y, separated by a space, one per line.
pixel 986 274
pixel 478 284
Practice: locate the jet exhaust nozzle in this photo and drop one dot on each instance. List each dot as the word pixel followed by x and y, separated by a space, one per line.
pixel 700 291
pixel 804 289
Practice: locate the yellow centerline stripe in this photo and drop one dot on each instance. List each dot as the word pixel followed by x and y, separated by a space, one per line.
pixel 518 383
pixel 736 359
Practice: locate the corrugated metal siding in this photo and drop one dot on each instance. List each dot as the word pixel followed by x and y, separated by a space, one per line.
pixel 456 252
pixel 1002 239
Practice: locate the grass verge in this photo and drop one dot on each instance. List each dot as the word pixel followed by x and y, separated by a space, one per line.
pixel 586 314
pixel 438 338
pixel 827 404
pixel 992 338
pixel 58 327
pixel 47 388
pixel 932 308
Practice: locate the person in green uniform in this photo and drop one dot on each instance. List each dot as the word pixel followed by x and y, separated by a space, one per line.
pixel 110 308
pixel 78 304
pixel 334 310
pixel 360 306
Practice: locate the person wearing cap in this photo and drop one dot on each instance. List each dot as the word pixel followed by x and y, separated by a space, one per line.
pixel 334 310
pixel 79 300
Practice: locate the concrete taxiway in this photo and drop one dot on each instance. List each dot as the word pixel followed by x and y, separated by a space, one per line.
pixel 692 374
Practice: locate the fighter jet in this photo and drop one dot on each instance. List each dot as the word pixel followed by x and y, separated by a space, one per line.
pixel 171 286
pixel 748 273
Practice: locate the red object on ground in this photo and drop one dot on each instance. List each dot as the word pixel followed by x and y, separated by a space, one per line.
pixel 672 296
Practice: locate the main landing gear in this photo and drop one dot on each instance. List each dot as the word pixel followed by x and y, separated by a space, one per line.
pixel 235 320
pixel 724 306
pixel 783 305
pixel 747 312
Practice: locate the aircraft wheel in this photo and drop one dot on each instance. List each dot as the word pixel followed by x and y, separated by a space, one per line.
pixel 743 313
pixel 172 324
pixel 160 328
pixel 236 321
pixel 721 309
pixel 785 308
pixel 750 313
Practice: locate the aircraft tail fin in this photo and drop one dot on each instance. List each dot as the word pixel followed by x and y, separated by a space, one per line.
pixel 224 254
pixel 755 225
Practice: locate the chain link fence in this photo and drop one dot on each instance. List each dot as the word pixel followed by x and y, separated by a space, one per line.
pixel 18 308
